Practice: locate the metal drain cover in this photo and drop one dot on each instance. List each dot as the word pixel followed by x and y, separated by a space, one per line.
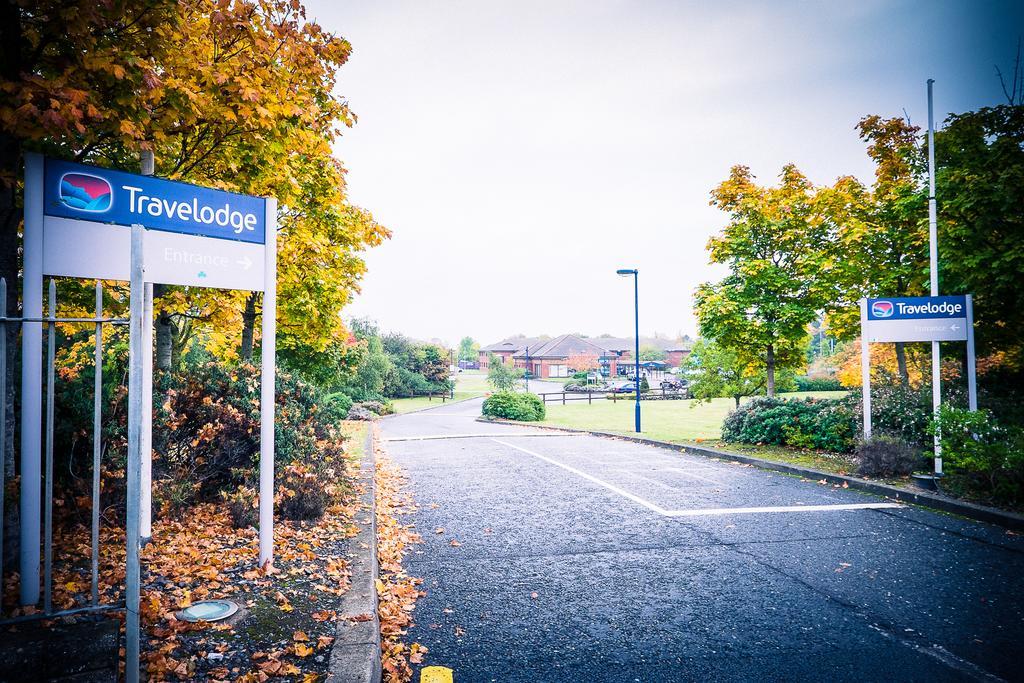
pixel 208 610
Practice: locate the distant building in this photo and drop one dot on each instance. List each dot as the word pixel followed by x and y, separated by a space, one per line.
pixel 548 358
pixel 505 349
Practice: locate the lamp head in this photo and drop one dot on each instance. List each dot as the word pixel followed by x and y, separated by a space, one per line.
pixel 626 271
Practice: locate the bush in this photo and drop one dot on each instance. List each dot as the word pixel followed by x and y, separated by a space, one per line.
pixel 818 384
pixel 358 412
pixel 243 507
pixel 886 456
pixel 378 407
pixel 340 401
pixel 898 411
pixel 580 375
pixel 824 424
pixel 514 406
pixel 980 456
pixel 304 492
pixel 206 432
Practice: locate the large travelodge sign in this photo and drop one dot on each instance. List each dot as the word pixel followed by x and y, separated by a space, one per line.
pixel 917 318
pixel 104 195
pixel 916 307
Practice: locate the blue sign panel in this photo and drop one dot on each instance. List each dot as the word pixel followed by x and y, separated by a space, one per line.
pixel 917 308
pixel 104 195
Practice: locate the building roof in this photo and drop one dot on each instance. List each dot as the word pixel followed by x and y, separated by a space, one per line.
pixel 513 344
pixel 572 344
pixel 563 347
pixel 627 343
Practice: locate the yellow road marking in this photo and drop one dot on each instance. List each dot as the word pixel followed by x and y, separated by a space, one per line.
pixel 436 674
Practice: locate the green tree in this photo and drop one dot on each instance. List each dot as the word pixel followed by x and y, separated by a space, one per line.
pixel 881 245
pixel 980 196
pixel 502 377
pixel 775 246
pixel 433 364
pixel 651 352
pixel 715 371
pixel 468 349
pixel 374 371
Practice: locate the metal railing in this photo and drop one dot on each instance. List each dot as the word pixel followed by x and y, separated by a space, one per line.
pixel 50 321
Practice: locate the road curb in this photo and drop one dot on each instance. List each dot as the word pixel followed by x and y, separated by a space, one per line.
pixel 981 513
pixel 355 655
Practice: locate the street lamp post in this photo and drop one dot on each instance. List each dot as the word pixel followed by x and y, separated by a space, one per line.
pixel 626 272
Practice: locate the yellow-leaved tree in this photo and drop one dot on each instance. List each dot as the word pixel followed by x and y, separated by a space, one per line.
pixel 233 94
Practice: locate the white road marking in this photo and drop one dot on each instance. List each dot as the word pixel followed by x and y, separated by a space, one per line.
pixel 610 487
pixel 702 512
pixel 782 508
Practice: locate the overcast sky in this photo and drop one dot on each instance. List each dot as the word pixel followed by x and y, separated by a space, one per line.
pixel 521 152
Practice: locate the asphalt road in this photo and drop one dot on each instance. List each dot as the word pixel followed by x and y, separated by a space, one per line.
pixel 590 559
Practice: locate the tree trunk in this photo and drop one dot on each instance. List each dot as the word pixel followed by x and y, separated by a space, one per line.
pixel 164 332
pixel 248 327
pixel 182 332
pixel 737 399
pixel 771 370
pixel 901 364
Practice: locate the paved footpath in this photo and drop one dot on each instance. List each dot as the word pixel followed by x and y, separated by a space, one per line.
pixel 590 559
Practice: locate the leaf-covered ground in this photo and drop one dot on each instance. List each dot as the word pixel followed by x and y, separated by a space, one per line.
pixel 287 625
pixel 397 592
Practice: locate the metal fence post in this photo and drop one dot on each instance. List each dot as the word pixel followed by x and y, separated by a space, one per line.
pixel 146 482
pixel 97 444
pixel 3 415
pixel 51 329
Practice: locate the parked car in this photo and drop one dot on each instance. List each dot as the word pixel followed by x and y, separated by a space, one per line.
pixel 624 388
pixel 673 383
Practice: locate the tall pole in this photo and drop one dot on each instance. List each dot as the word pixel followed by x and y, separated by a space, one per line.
pixel 865 369
pixel 135 442
pixel 636 340
pixel 526 375
pixel 31 381
pixel 268 363
pixel 148 165
pixel 933 263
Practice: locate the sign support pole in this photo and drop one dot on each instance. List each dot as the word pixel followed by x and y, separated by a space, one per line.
pixel 267 378
pixel 933 259
pixel 31 381
pixel 972 375
pixel 865 369
pixel 147 163
pixel 146 481
pixel 135 443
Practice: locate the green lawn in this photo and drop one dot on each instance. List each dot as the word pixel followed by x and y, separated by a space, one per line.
pixel 663 420
pixel 468 384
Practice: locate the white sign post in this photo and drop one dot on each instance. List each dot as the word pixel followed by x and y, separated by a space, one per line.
pixel 88 222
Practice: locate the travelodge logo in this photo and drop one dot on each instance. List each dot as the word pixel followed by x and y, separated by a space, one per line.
pixel 881 309
pixel 86 192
